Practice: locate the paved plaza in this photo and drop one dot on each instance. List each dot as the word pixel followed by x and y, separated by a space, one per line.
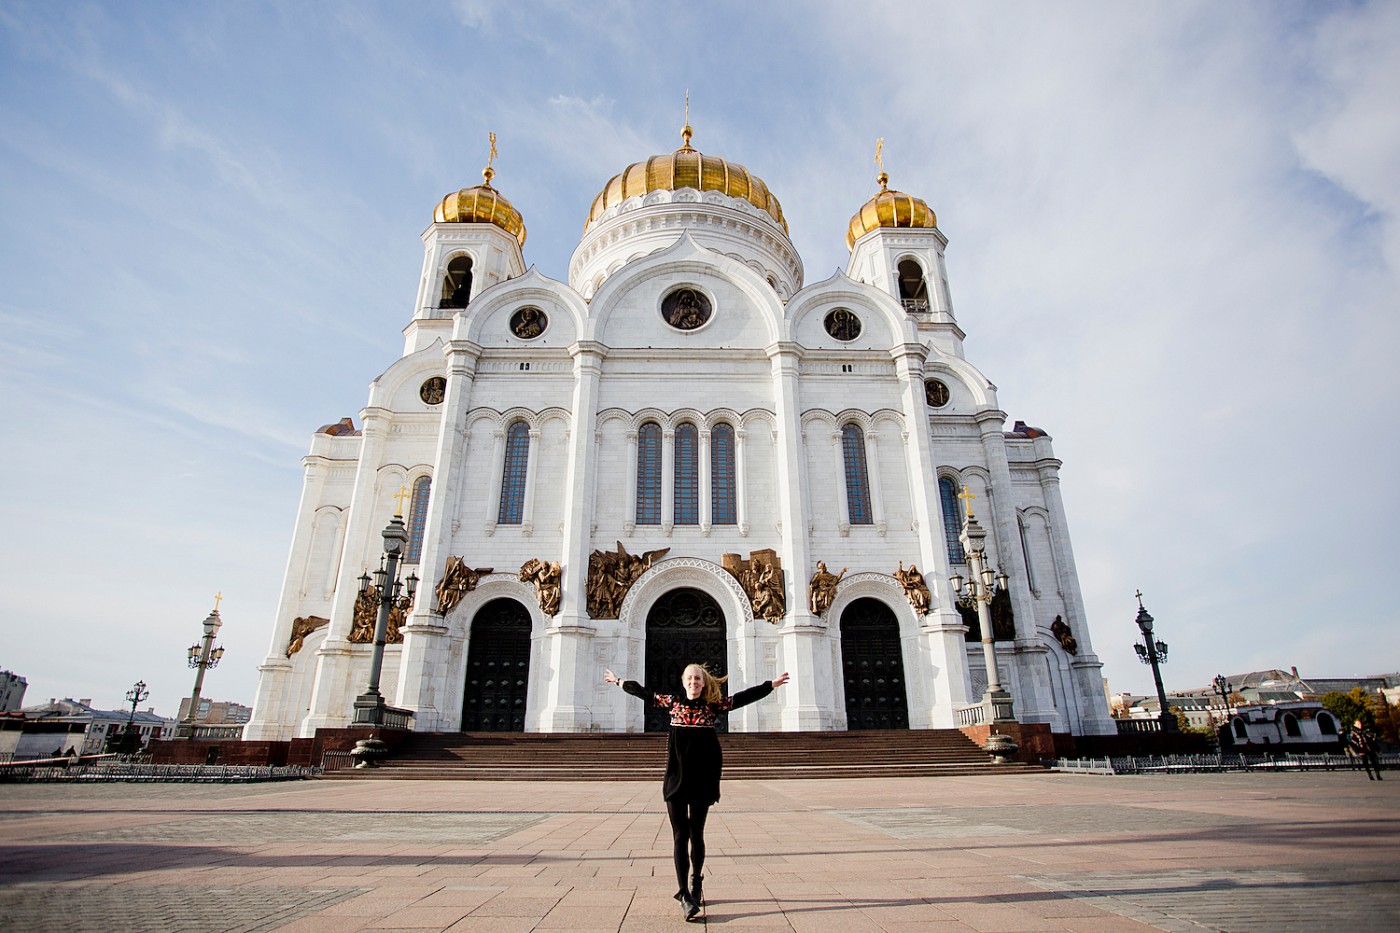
pixel 999 853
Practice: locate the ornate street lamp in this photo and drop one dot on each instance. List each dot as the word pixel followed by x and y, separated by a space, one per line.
pixel 981 589
pixel 1154 652
pixel 1223 689
pixel 135 696
pixel 202 656
pixel 370 705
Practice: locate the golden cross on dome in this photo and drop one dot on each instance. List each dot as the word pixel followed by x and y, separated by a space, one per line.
pixel 967 496
pixel 401 495
pixel 218 598
pixel 686 131
pixel 488 172
pixel 882 178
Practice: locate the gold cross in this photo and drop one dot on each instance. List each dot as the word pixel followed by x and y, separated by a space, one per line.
pixel 218 598
pixel 880 153
pixel 687 106
pixel 491 158
pixel 967 496
pixel 401 495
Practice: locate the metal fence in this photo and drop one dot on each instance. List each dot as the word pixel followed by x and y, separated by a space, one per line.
pixel 1189 764
pixel 145 772
pixel 337 761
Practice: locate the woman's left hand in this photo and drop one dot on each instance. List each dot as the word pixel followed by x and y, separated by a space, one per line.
pixel 780 679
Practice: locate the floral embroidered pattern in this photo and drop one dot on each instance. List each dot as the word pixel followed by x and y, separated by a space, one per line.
pixel 685 713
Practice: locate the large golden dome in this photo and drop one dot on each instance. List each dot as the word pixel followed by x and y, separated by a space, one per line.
pixel 889 209
pixel 481 205
pixel 686 168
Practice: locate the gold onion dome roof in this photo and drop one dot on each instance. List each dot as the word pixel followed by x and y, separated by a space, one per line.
pixel 686 168
pixel 889 209
pixel 481 205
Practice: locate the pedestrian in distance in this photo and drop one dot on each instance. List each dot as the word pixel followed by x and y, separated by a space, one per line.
pixel 1362 746
pixel 694 764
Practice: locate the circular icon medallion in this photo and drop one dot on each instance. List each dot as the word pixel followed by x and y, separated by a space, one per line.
pixel 936 393
pixel 843 324
pixel 433 390
pixel 685 308
pixel 528 323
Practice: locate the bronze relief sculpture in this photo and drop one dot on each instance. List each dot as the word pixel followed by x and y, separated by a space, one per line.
pixel 367 613
pixel 821 591
pixel 301 627
pixel 457 581
pixel 761 577
pixel 611 574
pixel 915 589
pixel 1064 636
pixel 546 575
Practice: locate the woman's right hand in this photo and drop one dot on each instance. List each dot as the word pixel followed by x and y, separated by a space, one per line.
pixel 610 677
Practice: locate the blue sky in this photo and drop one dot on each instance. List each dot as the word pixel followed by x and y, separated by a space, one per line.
pixel 1173 246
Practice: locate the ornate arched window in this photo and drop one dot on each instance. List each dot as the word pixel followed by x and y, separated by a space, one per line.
pixel 1290 726
pixel 457 283
pixel 723 501
pixel 857 478
pixel 649 474
pixel 512 509
pixel 952 519
pixel 687 475
pixel 417 518
pixel 1326 724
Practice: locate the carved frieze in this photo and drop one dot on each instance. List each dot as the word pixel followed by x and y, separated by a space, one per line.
pixel 761 577
pixel 611 574
pixel 457 581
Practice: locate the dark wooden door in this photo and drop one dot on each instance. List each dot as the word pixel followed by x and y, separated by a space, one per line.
pixel 498 668
pixel 873 666
pixel 684 627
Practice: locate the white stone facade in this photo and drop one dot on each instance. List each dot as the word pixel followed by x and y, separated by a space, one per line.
pixel 608 362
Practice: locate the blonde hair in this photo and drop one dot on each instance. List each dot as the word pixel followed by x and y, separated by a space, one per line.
pixel 711 692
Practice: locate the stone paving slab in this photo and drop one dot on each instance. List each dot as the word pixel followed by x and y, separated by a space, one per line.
pixel 998 853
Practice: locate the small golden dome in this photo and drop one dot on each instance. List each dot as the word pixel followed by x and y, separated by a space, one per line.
pixel 686 168
pixel 889 209
pixel 481 205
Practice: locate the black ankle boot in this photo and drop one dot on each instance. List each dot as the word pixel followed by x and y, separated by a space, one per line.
pixel 696 890
pixel 688 908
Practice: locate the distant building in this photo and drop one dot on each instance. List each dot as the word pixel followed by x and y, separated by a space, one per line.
pixel 214 713
pixel 12 687
pixel 1301 725
pixel 58 726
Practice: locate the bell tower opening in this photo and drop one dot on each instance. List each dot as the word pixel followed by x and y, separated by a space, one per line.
pixel 457 283
pixel 913 287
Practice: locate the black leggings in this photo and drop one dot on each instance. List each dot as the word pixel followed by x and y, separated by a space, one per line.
pixel 688 837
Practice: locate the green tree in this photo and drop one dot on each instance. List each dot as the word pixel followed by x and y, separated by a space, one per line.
pixel 1387 717
pixel 1349 707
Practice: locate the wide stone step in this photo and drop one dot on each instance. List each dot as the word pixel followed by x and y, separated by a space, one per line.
pixel 632 757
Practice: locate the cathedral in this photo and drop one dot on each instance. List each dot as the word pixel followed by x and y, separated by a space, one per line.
pixel 683 453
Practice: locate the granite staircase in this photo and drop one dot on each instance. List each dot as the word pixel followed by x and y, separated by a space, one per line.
pixel 497 756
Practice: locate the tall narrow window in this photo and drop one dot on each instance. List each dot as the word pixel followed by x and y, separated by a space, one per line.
pixel 723 503
pixel 512 510
pixel 687 475
pixel 913 290
pixel 857 480
pixel 457 283
pixel 649 474
pixel 952 519
pixel 417 518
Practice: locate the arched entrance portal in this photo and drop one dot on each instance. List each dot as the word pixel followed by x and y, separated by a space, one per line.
pixel 685 626
pixel 873 666
pixel 498 668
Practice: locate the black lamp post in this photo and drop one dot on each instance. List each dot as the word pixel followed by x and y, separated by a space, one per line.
pixel 981 587
pixel 1223 689
pixel 370 706
pixel 1154 651
pixel 135 696
pixel 203 656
